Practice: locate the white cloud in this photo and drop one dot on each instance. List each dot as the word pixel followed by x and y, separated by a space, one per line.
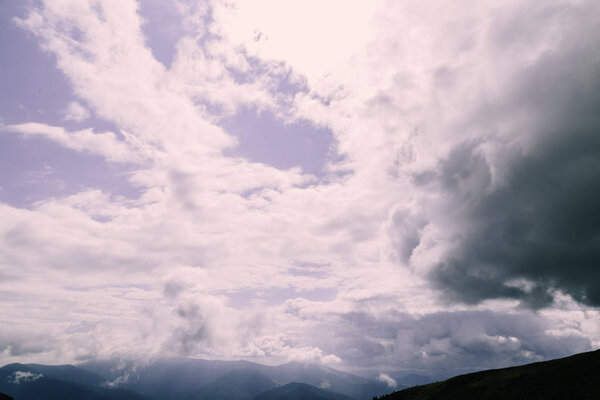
pixel 23 376
pixel 315 38
pixel 385 378
pixel 104 144
pixel 76 112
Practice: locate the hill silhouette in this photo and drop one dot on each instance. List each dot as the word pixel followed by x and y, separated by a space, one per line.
pixel 412 380
pixel 574 377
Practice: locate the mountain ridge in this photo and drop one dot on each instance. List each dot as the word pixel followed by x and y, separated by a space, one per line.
pixel 24 382
pixel 173 379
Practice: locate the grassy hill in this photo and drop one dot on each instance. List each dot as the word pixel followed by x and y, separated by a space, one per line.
pixel 575 377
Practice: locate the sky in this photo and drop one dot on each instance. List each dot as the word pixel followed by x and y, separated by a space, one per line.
pixel 375 186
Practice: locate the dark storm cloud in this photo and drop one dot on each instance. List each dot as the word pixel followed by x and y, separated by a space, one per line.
pixel 537 230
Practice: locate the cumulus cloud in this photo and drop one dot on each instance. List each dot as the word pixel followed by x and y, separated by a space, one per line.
pixel 385 378
pixel 18 377
pixel 516 208
pixel 278 345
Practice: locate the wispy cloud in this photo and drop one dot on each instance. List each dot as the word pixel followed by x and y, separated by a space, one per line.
pixel 105 144
pixel 18 377
pixel 76 112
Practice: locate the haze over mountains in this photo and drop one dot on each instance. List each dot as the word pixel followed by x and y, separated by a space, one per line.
pixel 185 379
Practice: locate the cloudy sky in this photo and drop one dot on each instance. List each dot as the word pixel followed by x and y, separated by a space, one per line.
pixel 376 186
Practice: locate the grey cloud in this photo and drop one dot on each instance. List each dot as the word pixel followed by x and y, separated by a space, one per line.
pixel 21 344
pixel 448 343
pixel 536 229
pixel 172 289
pixel 406 234
pixel 194 331
pixel 542 225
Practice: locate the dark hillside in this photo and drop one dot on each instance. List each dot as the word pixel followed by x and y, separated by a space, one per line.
pixel 575 377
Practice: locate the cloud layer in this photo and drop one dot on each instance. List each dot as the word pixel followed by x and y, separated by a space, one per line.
pixel 456 197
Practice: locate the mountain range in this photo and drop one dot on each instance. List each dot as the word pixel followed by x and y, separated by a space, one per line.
pixel 175 379
pixel 575 377
pixel 183 379
pixel 63 382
